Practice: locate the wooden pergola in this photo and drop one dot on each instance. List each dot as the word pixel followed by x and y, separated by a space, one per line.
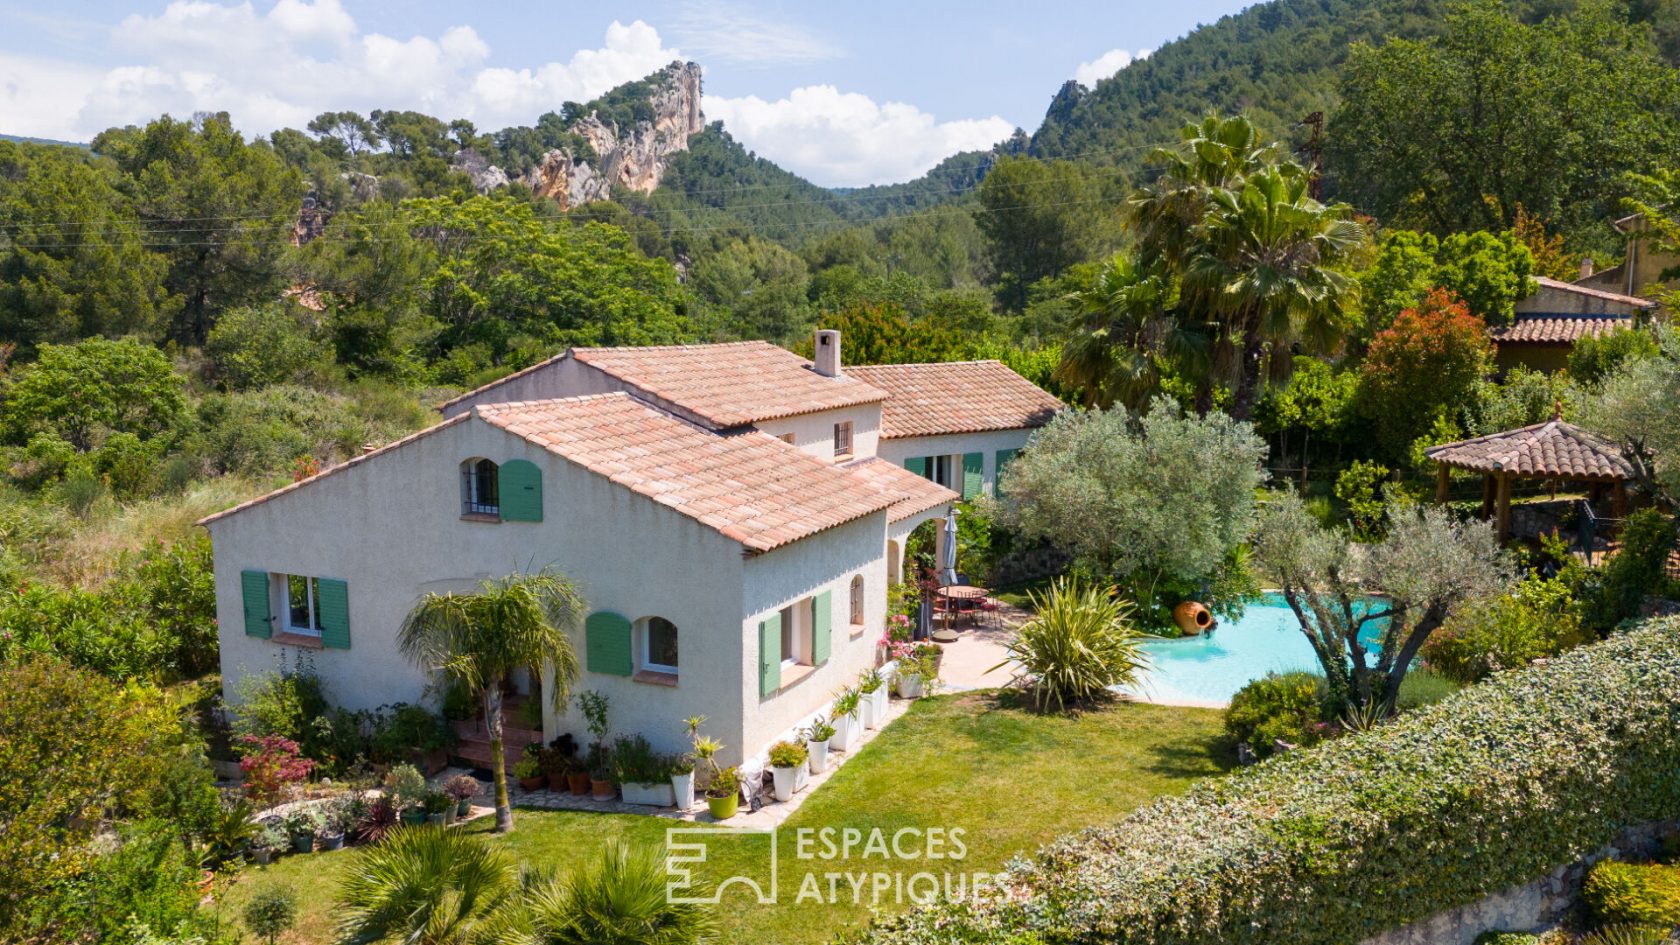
pixel 1554 451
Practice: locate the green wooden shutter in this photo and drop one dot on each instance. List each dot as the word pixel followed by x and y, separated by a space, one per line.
pixel 917 465
pixel 519 485
pixel 333 602
pixel 974 474
pixel 1002 461
pixel 770 655
pixel 822 627
pixel 606 637
pixel 253 585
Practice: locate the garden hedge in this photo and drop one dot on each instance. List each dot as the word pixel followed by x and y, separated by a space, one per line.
pixel 1492 787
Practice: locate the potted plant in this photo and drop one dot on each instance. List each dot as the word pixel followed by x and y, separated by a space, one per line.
pixel 788 768
pixel 723 794
pixel 918 671
pixel 848 728
pixel 269 840
pixel 336 820
pixel 817 736
pixel 529 774
pixel 577 776
pixel 301 825
pixel 407 789
pixel 872 692
pixel 436 803
pixel 553 764
pixel 594 707
pixel 682 780
pixel 463 788
pixel 643 775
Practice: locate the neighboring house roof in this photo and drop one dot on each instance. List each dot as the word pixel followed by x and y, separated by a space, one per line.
pixel 955 397
pixel 752 488
pixel 729 385
pixel 916 493
pixel 1553 449
pixel 330 470
pixel 1633 300
pixel 1545 329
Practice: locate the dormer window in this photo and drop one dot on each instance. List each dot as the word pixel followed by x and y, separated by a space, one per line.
pixel 480 488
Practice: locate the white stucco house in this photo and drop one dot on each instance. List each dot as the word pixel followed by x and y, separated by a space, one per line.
pixel 732 513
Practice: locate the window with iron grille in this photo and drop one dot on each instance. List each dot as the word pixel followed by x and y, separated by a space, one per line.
pixel 479 493
pixel 843 440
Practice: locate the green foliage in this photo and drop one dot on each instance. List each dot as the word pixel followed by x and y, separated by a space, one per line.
pixel 1079 642
pixel 270 913
pixel 1539 617
pixel 617 898
pixel 1451 134
pixel 885 334
pixel 1359 487
pixel 1507 938
pixel 1315 404
pixel 74 261
pixel 1039 218
pixel 1644 894
pixel 256 346
pixel 761 286
pixel 1639 568
pixel 1638 408
pixel 1596 357
pixel 1522 397
pixel 1423 687
pixel 1161 498
pixel 788 755
pixel 1562 756
pixel 88 390
pixel 1489 273
pixel 264 432
pixel 1626 933
pixel 1286 706
pixel 427 885
pixel 289 702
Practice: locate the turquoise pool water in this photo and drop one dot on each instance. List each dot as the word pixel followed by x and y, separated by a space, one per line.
pixel 1211 668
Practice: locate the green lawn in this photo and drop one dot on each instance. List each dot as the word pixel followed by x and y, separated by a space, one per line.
pixel 1009 778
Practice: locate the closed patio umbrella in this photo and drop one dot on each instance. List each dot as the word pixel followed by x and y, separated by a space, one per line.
pixel 948 552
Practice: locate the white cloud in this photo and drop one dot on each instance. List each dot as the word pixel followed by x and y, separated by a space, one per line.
pixel 1105 65
pixel 842 139
pixel 724 32
pixel 39 97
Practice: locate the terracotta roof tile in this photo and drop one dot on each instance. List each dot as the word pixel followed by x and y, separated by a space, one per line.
pixel 955 397
pixel 752 487
pixel 729 385
pixel 916 493
pixel 1632 300
pixel 1550 449
pixel 1556 329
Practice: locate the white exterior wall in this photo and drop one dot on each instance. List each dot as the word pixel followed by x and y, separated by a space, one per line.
pixel 787 575
pixel 813 433
pixel 897 449
pixel 391 527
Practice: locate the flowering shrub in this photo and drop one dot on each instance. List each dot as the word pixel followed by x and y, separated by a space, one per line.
pixel 1428 361
pixel 1490 788
pixel 271 762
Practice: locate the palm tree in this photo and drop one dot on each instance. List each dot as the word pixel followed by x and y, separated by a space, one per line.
pixel 479 639
pixel 1130 333
pixel 619 899
pixel 427 886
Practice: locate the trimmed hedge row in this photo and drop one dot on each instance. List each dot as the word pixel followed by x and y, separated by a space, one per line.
pixel 1490 788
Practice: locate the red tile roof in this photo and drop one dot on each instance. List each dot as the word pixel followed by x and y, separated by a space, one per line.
pixel 729 385
pixel 1556 329
pixel 752 488
pixel 917 494
pixel 1551 449
pixel 1607 295
pixel 956 397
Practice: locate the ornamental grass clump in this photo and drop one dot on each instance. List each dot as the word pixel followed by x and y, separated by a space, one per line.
pixel 1489 788
pixel 1081 642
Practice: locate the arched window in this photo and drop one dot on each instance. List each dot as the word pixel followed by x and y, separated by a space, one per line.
pixel 658 645
pixel 479 492
pixel 857 602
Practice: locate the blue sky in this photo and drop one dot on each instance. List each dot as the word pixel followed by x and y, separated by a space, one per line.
pixel 845 93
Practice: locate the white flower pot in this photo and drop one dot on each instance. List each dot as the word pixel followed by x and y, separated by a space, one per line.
pixel 682 785
pixel 653 794
pixel 910 686
pixel 847 728
pixel 789 781
pixel 879 697
pixel 819 756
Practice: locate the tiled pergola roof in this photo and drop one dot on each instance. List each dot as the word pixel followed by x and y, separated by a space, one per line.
pixel 1550 450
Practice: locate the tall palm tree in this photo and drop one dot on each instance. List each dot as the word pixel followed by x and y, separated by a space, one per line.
pixel 479 639
pixel 619 899
pixel 1131 332
pixel 1213 155
pixel 427 886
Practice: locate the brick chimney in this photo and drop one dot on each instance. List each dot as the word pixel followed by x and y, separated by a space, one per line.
pixel 827 361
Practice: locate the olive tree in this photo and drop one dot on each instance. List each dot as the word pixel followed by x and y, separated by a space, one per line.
pixel 1160 501
pixel 1427 565
pixel 1639 409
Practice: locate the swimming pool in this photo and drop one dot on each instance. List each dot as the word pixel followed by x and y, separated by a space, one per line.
pixel 1209 669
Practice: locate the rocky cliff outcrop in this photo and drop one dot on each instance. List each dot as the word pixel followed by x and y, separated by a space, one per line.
pixel 484 175
pixel 633 155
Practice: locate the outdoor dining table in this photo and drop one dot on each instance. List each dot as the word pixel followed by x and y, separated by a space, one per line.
pixel 964 596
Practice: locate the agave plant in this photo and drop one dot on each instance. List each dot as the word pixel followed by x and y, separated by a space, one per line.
pixel 1081 642
pixel 619 899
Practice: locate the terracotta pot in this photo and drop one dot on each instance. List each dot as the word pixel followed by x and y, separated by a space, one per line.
pixel 578 782
pixel 602 790
pixel 1193 618
pixel 556 780
pixel 533 783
